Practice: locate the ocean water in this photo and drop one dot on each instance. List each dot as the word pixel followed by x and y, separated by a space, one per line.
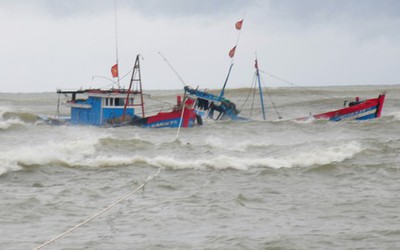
pixel 275 184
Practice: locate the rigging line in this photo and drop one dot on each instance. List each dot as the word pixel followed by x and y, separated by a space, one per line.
pixel 57 114
pixel 248 95
pixel 173 69
pixel 163 102
pixel 104 77
pixel 101 212
pixel 163 108
pixel 254 94
pixel 128 73
pixel 274 105
pixel 107 78
pixel 295 85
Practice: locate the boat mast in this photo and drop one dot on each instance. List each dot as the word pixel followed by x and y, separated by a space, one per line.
pixel 136 77
pixel 116 39
pixel 259 88
pixel 226 80
pixel 140 84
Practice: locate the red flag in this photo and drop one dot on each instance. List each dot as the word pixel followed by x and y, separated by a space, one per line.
pixel 256 64
pixel 232 52
pixel 238 24
pixel 114 70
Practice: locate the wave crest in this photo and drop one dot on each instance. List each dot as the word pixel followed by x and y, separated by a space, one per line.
pixel 10 119
pixel 92 151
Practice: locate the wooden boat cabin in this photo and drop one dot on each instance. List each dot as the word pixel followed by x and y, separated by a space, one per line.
pixel 99 107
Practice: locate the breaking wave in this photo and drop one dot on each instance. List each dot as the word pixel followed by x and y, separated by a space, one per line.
pixel 84 153
pixel 303 159
pixel 9 119
pixel 88 147
pixel 318 157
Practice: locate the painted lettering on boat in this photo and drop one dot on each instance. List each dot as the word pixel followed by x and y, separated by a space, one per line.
pixel 164 124
pixel 353 113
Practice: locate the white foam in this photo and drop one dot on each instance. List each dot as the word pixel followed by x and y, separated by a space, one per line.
pixel 6 124
pixel 316 157
pixel 71 152
pixel 82 149
pixel 319 156
pixel 220 162
pixel 395 115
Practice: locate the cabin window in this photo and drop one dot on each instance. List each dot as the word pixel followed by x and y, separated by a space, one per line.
pixel 119 101
pixel 108 102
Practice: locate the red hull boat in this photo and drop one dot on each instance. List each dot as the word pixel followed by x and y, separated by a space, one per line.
pixel 358 110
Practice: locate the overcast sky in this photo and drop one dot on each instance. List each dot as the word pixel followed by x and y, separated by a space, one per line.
pixel 50 44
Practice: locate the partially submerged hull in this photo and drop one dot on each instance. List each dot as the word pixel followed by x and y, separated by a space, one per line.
pixel 117 107
pixel 363 110
pixel 111 108
pixel 168 120
pixel 210 106
pixel 179 117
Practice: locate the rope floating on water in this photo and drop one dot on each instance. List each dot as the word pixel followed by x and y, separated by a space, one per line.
pixel 99 213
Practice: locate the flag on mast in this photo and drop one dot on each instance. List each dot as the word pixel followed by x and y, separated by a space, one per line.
pixel 256 64
pixel 114 70
pixel 238 24
pixel 232 52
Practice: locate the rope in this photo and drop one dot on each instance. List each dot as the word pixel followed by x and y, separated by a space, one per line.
pixel 248 95
pixel 180 122
pixel 273 105
pixel 295 85
pixel 252 101
pixel 163 102
pixel 57 114
pixel 99 213
pixel 113 82
pixel 173 69
pixel 253 90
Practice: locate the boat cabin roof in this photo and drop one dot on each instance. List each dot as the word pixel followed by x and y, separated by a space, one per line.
pixel 118 93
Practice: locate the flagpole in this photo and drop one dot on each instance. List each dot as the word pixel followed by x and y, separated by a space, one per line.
pixel 237 41
pixel 116 38
pixel 232 57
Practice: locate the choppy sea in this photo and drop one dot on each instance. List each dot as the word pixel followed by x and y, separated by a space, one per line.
pixel 275 184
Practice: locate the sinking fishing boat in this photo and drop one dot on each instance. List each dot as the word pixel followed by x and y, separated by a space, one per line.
pixel 214 106
pixel 211 106
pixel 358 110
pixel 117 107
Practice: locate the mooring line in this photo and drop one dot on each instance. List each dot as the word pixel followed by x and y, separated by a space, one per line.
pixel 99 213
pixel 181 120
